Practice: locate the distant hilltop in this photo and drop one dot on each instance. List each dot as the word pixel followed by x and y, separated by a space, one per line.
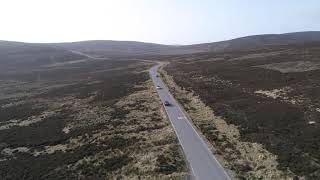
pixel 127 48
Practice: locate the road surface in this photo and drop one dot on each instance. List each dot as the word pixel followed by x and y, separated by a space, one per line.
pixel 88 56
pixel 203 164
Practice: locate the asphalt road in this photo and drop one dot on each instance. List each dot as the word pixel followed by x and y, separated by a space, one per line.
pixel 202 162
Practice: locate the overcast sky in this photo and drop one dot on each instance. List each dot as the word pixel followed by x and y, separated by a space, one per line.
pixel 158 21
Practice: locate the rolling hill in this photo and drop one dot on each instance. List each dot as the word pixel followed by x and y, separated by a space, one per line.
pixel 125 48
pixel 253 42
pixel 114 48
pixel 15 55
pixel 16 52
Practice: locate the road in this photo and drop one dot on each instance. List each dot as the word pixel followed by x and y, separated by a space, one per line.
pixel 88 56
pixel 203 164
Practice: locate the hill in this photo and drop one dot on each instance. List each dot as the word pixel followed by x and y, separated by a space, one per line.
pixel 114 48
pixel 14 50
pixel 256 41
pixel 15 55
pixel 127 48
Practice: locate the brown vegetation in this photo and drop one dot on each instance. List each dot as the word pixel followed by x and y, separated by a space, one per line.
pixel 277 111
pixel 92 119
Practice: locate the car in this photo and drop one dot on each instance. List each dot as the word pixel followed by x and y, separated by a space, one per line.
pixel 158 87
pixel 166 103
pixel 157 75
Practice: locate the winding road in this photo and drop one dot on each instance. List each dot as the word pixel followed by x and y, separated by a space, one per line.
pixel 203 164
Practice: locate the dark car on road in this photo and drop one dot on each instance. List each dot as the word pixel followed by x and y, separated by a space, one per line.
pixel 166 103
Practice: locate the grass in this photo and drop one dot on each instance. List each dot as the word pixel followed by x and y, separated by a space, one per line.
pixel 88 120
pixel 228 87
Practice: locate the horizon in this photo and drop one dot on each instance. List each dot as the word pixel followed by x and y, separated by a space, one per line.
pixel 149 42
pixel 159 21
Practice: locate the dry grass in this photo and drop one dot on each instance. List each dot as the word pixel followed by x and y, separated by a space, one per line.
pixel 297 66
pixel 108 125
pixel 145 120
pixel 244 159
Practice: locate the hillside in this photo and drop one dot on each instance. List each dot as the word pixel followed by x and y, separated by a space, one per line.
pixel 17 55
pixel 114 48
pixel 96 119
pixel 256 41
pixel 12 50
pixel 260 108
pixel 125 48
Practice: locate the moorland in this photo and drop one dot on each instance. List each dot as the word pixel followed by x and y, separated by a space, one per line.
pixel 66 116
pixel 269 97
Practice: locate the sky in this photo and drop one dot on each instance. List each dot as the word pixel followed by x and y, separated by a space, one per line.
pixel 158 21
